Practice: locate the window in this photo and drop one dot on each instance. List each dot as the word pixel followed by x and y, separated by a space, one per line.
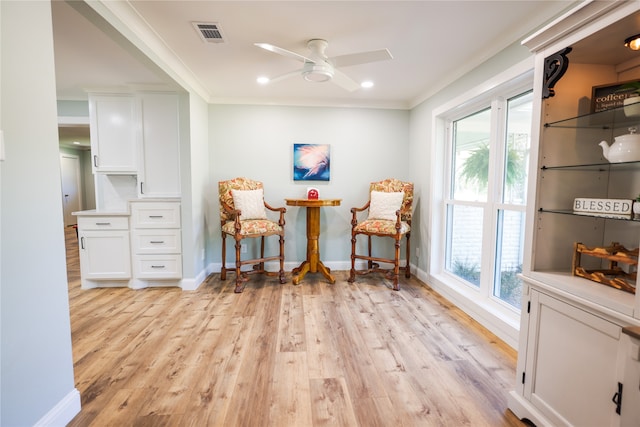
pixel 484 201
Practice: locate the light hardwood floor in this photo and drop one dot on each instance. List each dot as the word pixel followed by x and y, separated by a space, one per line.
pixel 281 355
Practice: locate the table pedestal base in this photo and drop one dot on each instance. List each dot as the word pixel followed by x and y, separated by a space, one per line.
pixel 312 264
pixel 305 267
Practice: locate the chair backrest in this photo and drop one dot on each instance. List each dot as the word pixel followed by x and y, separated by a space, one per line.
pixel 392 185
pixel 226 198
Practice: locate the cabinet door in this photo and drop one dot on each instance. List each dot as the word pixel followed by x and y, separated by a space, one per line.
pixel 105 255
pixel 571 371
pixel 160 166
pixel 630 411
pixel 113 133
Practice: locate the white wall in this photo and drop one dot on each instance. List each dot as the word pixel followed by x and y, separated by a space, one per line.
pixel 195 185
pixel 37 381
pixel 257 142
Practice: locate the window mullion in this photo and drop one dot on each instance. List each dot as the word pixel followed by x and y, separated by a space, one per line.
pixel 494 190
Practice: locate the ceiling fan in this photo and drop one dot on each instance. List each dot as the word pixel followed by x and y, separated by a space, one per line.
pixel 317 67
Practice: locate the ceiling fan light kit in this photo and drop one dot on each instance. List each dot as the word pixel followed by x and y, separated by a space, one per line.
pixel 317 67
pixel 317 72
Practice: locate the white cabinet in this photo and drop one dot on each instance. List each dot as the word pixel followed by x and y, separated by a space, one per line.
pixel 113 130
pixel 156 241
pixel 571 355
pixel 104 250
pixel 630 411
pixel 135 146
pixel 138 247
pixel 571 371
pixel 159 170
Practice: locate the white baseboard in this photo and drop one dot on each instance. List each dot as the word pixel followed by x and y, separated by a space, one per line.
pixel 193 284
pixel 64 411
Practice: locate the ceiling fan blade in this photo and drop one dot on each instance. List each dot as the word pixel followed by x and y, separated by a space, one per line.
pixel 361 58
pixel 344 81
pixel 284 76
pixel 283 52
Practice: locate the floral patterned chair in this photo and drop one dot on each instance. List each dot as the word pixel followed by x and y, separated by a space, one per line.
pixel 243 215
pixel 389 215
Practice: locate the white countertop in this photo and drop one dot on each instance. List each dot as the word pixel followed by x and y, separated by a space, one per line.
pixel 93 212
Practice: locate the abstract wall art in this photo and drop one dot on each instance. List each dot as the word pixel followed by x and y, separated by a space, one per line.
pixel 311 162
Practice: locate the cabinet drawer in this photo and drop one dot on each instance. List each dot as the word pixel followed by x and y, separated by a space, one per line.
pixel 155 215
pixel 156 241
pixel 103 223
pixel 158 266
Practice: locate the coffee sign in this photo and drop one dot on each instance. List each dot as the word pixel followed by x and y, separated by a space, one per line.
pixel 609 96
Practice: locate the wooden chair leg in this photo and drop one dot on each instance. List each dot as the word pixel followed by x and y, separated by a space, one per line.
pixel 407 272
pixel 396 265
pixel 281 273
pixel 223 271
pixel 239 281
pixel 352 273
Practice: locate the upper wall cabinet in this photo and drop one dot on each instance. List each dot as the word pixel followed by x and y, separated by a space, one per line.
pixel 136 134
pixel 159 172
pixel 113 130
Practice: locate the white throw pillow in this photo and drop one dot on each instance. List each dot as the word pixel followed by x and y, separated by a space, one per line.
pixel 250 203
pixel 384 205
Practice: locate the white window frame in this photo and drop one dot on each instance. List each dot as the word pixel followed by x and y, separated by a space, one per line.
pixel 499 317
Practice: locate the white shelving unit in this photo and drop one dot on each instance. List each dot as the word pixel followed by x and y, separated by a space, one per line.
pixel 573 357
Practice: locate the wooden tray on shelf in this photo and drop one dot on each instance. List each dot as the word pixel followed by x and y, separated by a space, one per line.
pixel 614 276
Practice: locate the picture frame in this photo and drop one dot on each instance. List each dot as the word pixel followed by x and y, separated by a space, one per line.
pixel 311 162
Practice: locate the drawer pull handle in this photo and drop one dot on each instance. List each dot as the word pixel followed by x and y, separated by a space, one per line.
pixel 156 241
pixel 156 216
pixel 103 223
pixel 157 266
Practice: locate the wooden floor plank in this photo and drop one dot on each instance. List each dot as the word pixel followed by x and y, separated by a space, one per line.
pixel 331 403
pixel 323 353
pixel 290 390
pixel 291 328
pixel 315 354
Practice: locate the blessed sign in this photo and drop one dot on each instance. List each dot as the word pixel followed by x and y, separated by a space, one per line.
pixel 603 206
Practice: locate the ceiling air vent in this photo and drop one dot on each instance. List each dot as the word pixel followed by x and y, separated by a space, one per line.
pixel 210 32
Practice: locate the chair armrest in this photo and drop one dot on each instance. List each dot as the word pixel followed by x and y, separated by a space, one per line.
pixel 282 211
pixel 354 213
pixel 233 213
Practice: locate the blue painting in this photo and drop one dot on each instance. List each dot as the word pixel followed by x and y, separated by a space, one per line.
pixel 311 162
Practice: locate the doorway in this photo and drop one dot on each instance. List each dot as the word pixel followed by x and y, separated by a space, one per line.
pixel 71 184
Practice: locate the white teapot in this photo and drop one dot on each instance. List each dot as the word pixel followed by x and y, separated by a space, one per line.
pixel 626 148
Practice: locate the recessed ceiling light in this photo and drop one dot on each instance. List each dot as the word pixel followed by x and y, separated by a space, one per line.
pixel 262 80
pixel 366 84
pixel 76 143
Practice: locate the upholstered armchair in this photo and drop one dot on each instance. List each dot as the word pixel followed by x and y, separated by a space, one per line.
pixel 243 216
pixel 389 216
